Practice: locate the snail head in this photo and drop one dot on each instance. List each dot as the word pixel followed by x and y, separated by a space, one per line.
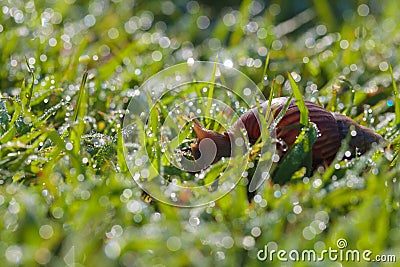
pixel 362 137
pixel 210 144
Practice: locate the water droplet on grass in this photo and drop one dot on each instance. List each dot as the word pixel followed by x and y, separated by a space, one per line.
pixel 84 59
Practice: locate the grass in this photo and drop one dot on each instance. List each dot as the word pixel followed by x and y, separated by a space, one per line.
pixel 68 71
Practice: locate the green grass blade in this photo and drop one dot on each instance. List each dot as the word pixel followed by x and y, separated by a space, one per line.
pixel 211 90
pixel 28 152
pixel 10 133
pixel 299 155
pixel 60 144
pixel 282 112
pixel 245 9
pixel 299 101
pixel 43 95
pixel 396 97
pixel 265 72
pixel 71 70
pixel 26 91
pixel 78 129
pixel 80 109
pixel 120 152
pixel 271 96
pixel 4 117
pixel 325 12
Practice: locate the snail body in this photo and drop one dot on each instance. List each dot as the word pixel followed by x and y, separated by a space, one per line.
pixel 332 128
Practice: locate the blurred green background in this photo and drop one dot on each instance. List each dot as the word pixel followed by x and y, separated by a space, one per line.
pixel 66 197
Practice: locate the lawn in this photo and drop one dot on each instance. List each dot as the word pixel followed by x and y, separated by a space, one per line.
pixel 74 74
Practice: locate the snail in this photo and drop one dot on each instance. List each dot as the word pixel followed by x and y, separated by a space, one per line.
pixel 332 127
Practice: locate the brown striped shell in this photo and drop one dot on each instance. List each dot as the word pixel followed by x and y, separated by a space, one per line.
pixel 332 127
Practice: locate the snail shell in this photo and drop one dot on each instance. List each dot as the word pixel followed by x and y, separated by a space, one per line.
pixel 332 127
pixel 327 143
